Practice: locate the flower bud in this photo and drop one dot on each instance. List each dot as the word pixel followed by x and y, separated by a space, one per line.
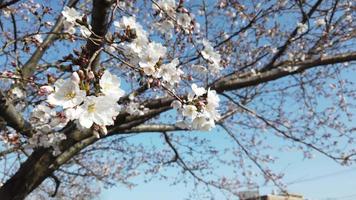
pixel 46 89
pixel 75 77
pixel 81 74
pixel 103 130
pixel 91 75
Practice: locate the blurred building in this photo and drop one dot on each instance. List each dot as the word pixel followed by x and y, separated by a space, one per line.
pixel 275 197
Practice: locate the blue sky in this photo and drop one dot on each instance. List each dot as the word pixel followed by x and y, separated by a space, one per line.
pixel 316 179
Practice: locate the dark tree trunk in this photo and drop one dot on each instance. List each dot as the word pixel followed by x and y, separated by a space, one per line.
pixel 31 174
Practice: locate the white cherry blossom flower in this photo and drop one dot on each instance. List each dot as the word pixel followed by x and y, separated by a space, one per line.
pixel 167 6
pixel 127 22
pixel 110 85
pixel 165 27
pixel 320 22
pixel 138 43
pixel 203 123
pixel 212 98
pixel 151 54
pixel 72 113
pixel 59 121
pixel 170 73
pixel 18 93
pixel 67 94
pixel 40 139
pixel 198 91
pixel 45 89
pixel 134 108
pixel 41 114
pixel 212 56
pixel 38 37
pixel 184 20
pixel 69 27
pixel 302 28
pixel 75 77
pixel 189 111
pixel 99 110
pixel 70 14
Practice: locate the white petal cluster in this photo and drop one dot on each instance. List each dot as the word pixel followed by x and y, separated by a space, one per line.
pixel 302 28
pixel 168 6
pixel 110 86
pixel 211 56
pixel 134 108
pixel 320 22
pixel 46 120
pixel 184 20
pixel 67 94
pixel 47 140
pixel 165 27
pixel 141 40
pixel 148 54
pixel 71 16
pixel 85 109
pixel 200 109
pixel 170 73
pixel 100 110
pixel 168 16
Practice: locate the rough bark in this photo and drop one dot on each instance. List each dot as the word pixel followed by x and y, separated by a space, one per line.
pixel 28 177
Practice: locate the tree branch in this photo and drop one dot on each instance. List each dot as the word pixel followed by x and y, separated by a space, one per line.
pixel 235 81
pixel 12 117
pixel 30 66
pixel 9 3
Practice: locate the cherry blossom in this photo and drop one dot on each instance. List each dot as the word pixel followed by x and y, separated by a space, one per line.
pixel 198 91
pixel 150 55
pixel 100 110
pixel 67 94
pixel 167 6
pixel 71 14
pixel 169 72
pixel 212 56
pixel 302 28
pixel 190 111
pixel 184 20
pixel 110 85
pixel 140 39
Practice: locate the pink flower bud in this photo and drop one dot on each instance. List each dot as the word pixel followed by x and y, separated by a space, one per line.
pixel 44 90
pixel 81 74
pixel 75 77
pixel 91 75
pixel 201 103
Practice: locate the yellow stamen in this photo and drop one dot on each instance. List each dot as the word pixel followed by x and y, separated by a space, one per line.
pixel 91 108
pixel 70 95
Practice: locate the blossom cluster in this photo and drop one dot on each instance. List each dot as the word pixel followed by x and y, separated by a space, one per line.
pixel 91 101
pixel 169 14
pixel 213 58
pixel 148 55
pixel 47 122
pixel 71 19
pixel 70 100
pixel 71 95
pixel 200 108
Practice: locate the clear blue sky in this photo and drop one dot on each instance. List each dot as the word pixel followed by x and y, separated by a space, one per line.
pixel 316 179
